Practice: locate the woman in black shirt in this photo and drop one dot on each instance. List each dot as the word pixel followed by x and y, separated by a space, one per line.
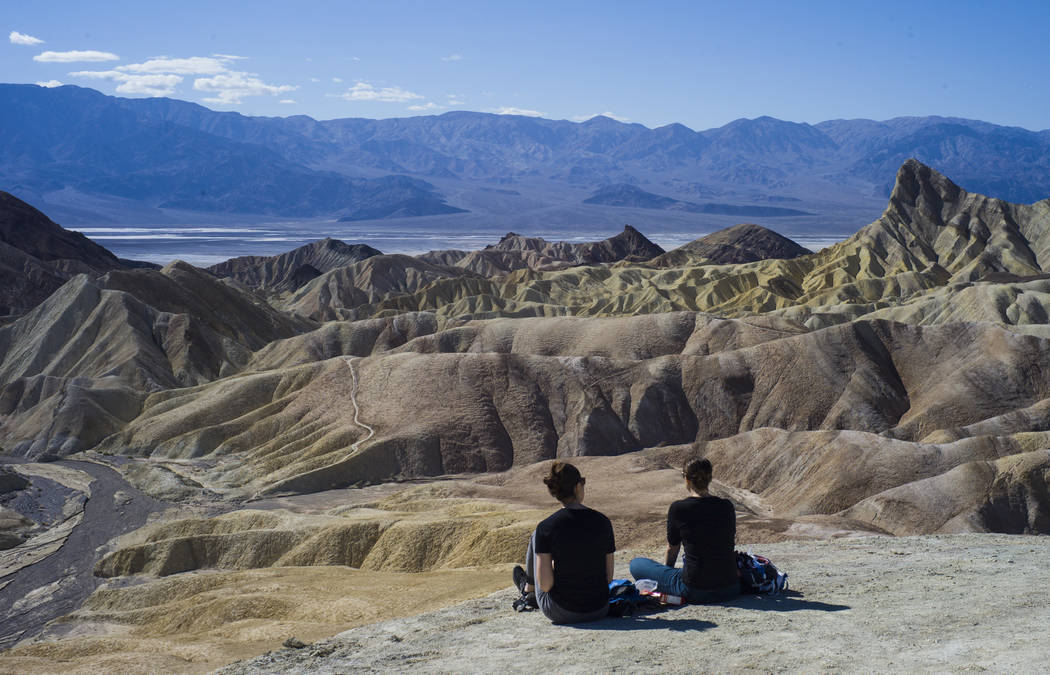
pixel 707 526
pixel 569 560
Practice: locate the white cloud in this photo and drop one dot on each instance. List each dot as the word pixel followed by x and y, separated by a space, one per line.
pixel 233 87
pixel 337 80
pixel 17 38
pixel 75 56
pixel 315 79
pixel 363 91
pixel 454 99
pixel 195 65
pixel 612 116
pixel 154 84
pixel 429 105
pixel 452 57
pixel 159 75
pixel 288 101
pixel 49 84
pixel 505 110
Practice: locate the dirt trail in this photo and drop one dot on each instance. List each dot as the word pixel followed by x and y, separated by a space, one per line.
pixel 357 410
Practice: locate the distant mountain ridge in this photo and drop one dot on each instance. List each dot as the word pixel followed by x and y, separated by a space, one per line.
pixel 624 194
pixel 171 154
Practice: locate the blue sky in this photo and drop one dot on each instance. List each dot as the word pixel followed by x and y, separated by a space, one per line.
pixel 699 63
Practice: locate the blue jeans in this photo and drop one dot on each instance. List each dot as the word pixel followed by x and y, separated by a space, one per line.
pixel 669 580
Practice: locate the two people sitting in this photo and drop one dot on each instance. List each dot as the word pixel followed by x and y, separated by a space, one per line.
pixel 569 559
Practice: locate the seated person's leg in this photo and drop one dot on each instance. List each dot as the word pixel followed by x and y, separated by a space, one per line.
pixel 530 563
pixel 668 579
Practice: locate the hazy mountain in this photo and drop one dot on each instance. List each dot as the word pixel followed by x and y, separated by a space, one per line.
pixel 622 194
pixel 398 197
pixel 173 154
pixel 1008 162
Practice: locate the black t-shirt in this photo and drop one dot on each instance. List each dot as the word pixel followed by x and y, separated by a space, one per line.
pixel 707 527
pixel 578 540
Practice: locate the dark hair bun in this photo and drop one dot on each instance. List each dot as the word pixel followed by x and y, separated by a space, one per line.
pixel 562 480
pixel 698 473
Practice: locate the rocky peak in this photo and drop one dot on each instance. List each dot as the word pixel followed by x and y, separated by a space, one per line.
pixel 931 221
pixel 920 187
pixel 29 230
pixel 737 244
pixel 629 244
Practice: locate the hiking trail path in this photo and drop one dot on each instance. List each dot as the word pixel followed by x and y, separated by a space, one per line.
pixel 357 409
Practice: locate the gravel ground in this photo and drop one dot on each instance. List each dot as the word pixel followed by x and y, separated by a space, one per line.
pixel 952 603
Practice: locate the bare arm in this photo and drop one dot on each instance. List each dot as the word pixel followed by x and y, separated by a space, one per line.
pixel 545 571
pixel 672 555
pixel 609 567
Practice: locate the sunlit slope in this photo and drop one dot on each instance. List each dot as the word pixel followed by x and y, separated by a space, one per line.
pixel 76 367
pixel 500 395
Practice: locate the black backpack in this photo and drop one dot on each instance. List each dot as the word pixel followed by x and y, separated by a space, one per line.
pixel 759 576
pixel 623 597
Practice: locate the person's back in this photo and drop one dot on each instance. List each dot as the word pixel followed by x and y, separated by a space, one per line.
pixel 569 558
pixel 578 539
pixel 706 527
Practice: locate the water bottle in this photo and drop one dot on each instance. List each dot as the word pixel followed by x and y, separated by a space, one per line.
pixel 646 586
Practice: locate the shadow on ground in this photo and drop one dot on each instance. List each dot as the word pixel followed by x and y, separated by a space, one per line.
pixel 789 601
pixel 647 622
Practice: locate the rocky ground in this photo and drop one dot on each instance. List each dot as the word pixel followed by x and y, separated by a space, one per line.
pixel 857 601
pixel 953 603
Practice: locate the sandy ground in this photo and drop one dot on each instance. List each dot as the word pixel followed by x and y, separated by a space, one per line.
pixel 952 603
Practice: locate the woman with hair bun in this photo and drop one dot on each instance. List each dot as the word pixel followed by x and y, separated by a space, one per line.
pixel 569 560
pixel 707 526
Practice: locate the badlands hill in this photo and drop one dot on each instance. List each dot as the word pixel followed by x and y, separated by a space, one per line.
pixel 392 416
pixel 515 252
pixel 289 271
pixel 738 244
pixel 37 256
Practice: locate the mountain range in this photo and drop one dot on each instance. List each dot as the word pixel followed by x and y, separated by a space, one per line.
pixel 94 158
